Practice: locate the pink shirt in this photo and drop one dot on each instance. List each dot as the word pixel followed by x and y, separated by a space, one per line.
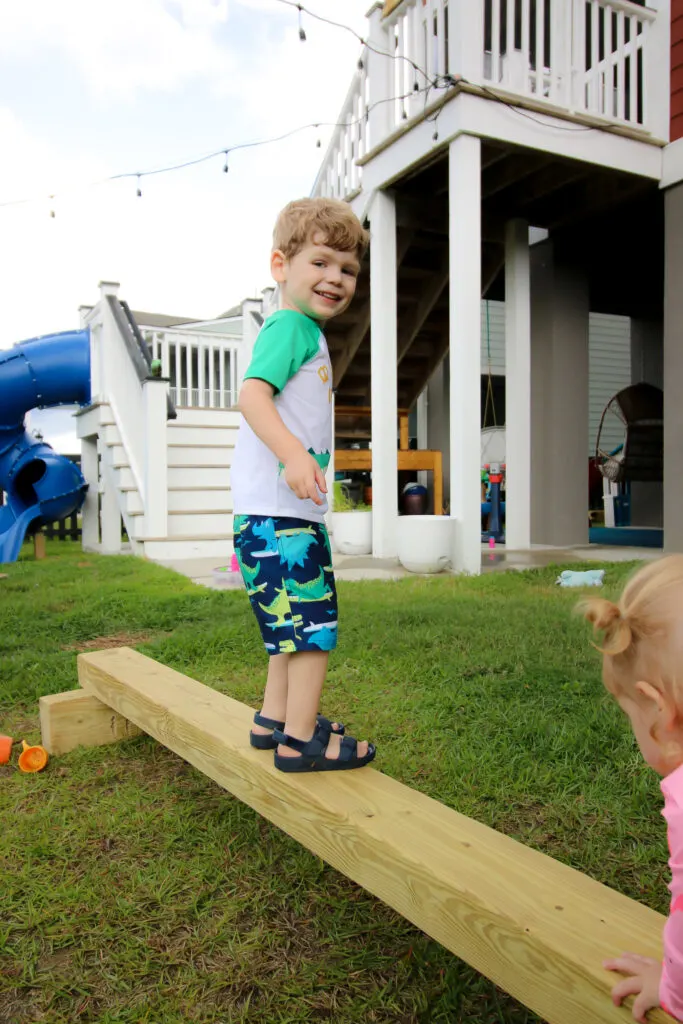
pixel 671 988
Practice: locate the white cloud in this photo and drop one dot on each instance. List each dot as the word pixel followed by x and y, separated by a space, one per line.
pixel 124 46
pixel 197 241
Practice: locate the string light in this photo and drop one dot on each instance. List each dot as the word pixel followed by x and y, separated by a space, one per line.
pixel 138 175
pixel 52 209
pixel 446 81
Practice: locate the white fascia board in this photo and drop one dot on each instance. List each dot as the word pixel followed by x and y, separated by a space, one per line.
pixel 475 115
pixel 672 164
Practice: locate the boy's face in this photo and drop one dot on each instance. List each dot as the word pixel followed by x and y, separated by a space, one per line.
pixel 318 281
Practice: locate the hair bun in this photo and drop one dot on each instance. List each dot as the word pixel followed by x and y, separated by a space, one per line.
pixel 606 618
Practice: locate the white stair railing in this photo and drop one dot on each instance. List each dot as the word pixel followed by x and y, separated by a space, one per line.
pixel 606 58
pixel 138 405
pixel 202 366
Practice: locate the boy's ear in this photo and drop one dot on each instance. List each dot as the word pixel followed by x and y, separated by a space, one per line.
pixel 277 265
pixel 667 713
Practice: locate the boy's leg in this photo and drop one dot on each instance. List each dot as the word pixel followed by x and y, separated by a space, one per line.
pixel 275 694
pixel 307 671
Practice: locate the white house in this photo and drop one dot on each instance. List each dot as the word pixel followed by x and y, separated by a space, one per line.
pixel 467 123
pixel 157 448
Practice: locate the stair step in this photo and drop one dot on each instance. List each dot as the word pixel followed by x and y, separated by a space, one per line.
pixel 200 455
pixel 187 477
pixel 164 549
pixel 195 523
pixel 199 434
pixel 211 417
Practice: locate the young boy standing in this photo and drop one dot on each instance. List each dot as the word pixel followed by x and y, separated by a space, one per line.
pixel 278 484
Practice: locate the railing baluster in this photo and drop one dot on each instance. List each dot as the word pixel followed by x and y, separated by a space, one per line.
pixel 633 70
pixel 608 106
pixel 495 42
pixel 188 364
pixel 440 38
pixel 526 44
pixel 621 69
pixel 508 77
pixel 539 56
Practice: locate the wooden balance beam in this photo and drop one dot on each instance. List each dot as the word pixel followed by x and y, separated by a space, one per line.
pixel 537 928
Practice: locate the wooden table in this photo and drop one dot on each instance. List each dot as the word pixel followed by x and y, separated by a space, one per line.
pixel 432 461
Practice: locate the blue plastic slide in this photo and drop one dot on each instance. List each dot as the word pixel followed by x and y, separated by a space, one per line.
pixel 40 485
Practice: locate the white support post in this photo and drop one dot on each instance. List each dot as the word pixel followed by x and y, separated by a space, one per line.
pixel 656 71
pixel 383 368
pixel 464 186
pixel 154 396
pixel 201 364
pixel 110 527
pixel 423 432
pixel 90 524
pixel 380 72
pixel 102 327
pixel 251 308
pixel 466 41
pixel 517 386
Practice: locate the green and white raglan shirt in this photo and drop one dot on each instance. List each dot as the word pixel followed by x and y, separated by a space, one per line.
pixel 290 354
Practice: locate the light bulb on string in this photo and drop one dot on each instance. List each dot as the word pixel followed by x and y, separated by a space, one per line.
pixel 302 34
pixel 225 165
pixel 52 207
pixel 139 190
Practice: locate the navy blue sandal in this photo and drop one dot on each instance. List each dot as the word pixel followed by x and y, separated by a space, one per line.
pixel 262 742
pixel 312 753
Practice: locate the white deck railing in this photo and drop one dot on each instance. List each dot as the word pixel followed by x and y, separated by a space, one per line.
pixel 606 58
pixel 201 366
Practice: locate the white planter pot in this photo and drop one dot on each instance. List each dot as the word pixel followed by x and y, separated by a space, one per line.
pixel 425 543
pixel 352 532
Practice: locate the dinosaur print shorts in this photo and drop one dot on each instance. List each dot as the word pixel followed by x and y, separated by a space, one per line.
pixel 286 566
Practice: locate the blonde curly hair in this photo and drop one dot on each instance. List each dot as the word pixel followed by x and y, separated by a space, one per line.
pixel 642 633
pixel 333 219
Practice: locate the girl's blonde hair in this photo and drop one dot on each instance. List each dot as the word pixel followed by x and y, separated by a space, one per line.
pixel 333 219
pixel 642 634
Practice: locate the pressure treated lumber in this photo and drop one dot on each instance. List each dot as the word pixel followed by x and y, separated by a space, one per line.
pixel 77 719
pixel 535 927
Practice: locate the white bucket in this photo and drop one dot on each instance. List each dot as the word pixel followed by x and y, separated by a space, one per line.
pixel 352 532
pixel 425 543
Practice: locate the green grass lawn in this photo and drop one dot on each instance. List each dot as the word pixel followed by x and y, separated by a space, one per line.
pixel 133 889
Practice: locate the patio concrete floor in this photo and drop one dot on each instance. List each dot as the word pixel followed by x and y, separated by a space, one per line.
pixel 364 567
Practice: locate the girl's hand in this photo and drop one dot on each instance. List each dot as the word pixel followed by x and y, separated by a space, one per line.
pixel 643 982
pixel 305 477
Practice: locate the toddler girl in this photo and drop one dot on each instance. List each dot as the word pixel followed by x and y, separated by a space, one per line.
pixel 642 647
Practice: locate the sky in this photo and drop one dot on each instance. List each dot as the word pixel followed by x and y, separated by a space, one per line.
pixel 92 88
pixel 95 88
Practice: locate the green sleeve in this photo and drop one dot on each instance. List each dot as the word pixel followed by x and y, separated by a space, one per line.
pixel 286 341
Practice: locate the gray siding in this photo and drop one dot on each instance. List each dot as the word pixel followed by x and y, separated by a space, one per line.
pixel 493 337
pixel 609 348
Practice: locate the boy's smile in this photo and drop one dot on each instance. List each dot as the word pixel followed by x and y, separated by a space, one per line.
pixel 318 281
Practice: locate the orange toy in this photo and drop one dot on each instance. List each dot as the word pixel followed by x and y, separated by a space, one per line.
pixel 5 748
pixel 32 759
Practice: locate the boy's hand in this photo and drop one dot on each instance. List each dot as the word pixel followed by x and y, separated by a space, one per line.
pixel 643 982
pixel 305 477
